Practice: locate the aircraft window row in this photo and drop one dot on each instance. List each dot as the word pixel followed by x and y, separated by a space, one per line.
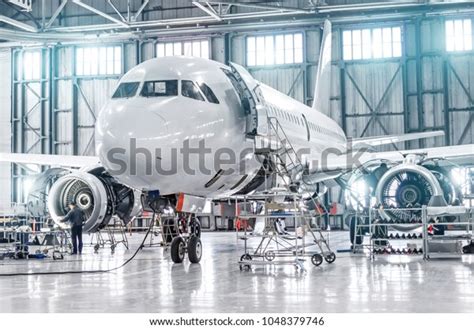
pixel 126 90
pixel 279 113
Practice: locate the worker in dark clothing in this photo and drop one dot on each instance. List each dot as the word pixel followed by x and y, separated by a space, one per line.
pixel 76 219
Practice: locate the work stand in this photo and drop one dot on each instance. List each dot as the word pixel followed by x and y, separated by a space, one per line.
pixel 277 246
pixel 108 237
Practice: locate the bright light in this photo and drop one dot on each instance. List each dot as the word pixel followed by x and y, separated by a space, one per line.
pixel 372 43
pixel 358 194
pixel 196 48
pixel 99 60
pixel 32 65
pixel 458 34
pixel 460 178
pixel 275 49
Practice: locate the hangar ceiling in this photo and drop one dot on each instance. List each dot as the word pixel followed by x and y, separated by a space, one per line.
pixel 69 20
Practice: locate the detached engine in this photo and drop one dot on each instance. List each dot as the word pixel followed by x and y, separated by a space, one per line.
pixel 410 184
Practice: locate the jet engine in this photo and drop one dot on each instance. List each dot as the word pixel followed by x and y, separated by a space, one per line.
pixel 410 184
pixel 97 194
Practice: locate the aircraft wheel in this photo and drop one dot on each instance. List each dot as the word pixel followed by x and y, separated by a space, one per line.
pixel 245 267
pixel 194 249
pixel 330 258
pixel 178 250
pixel 196 227
pixel 270 255
pixel 317 259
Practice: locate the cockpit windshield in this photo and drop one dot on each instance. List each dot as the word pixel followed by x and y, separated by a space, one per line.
pixel 126 90
pixel 190 90
pixel 160 88
pixel 207 91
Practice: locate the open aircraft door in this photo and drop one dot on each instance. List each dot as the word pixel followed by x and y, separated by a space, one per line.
pixel 257 113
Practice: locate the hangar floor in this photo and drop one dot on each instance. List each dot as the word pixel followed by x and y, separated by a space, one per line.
pixel 152 283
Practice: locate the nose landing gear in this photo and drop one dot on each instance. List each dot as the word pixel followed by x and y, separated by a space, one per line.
pixel 182 233
pixel 188 241
pixel 180 245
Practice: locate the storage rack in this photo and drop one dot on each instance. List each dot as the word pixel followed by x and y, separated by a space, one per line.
pixel 381 240
pixel 449 245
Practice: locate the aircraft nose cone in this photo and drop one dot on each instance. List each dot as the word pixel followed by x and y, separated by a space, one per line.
pixel 124 135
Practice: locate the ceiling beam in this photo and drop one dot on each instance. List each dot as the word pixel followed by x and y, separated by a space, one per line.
pixel 207 10
pixel 56 13
pixel 18 24
pixel 140 10
pixel 100 13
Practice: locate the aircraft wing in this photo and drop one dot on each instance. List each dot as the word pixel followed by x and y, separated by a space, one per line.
pixel 69 161
pixel 337 163
pixel 390 139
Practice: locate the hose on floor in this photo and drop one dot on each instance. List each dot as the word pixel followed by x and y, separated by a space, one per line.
pixel 140 247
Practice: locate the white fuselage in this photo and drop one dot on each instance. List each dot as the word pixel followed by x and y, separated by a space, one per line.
pixel 138 134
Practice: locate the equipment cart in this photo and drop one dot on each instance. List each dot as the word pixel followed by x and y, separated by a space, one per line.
pixel 276 245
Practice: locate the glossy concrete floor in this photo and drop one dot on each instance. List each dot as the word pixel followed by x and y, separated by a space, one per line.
pixel 152 283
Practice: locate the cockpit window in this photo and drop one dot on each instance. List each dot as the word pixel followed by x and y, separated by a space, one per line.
pixel 189 89
pixel 126 90
pixel 160 88
pixel 207 91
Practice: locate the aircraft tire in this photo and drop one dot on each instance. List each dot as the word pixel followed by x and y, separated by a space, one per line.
pixel 194 249
pixel 178 250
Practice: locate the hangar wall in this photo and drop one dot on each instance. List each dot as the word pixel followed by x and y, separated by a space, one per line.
pixel 5 130
pixel 425 89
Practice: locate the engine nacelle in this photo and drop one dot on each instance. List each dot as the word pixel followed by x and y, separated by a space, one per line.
pixel 411 185
pixel 97 194
pixel 396 186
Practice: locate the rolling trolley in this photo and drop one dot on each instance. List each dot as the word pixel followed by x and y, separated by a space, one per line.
pixel 277 246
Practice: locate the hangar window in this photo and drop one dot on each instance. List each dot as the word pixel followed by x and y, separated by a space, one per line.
pixel 372 43
pixel 31 65
pixel 126 90
pixel 190 90
pixel 207 91
pixel 275 49
pixel 196 48
pixel 99 60
pixel 160 88
pixel 459 34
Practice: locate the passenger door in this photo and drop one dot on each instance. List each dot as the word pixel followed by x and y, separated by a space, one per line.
pixel 257 117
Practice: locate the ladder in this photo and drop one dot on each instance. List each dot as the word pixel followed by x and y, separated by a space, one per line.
pixel 282 158
pixel 270 139
pixel 283 161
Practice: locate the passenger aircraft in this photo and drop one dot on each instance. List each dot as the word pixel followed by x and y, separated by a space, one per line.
pixel 164 103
